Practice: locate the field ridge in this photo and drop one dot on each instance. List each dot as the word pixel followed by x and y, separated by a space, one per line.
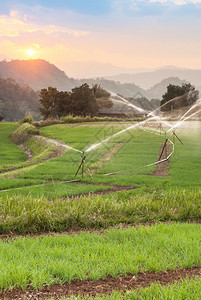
pixel 104 286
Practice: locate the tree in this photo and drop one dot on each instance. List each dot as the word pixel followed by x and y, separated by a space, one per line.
pixel 49 98
pixel 102 96
pixel 1 117
pixel 190 95
pixel 83 101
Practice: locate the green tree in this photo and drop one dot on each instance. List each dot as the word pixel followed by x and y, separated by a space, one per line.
pixel 83 101
pixel 49 99
pixel 173 91
pixel 102 96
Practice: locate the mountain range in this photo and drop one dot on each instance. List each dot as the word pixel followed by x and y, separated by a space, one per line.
pixel 38 74
pixel 146 80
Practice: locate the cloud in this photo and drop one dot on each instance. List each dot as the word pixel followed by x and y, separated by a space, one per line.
pixel 176 2
pixel 13 25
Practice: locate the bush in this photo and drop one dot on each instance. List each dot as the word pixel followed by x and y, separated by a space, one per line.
pixel 23 132
pixel 47 122
pixel 26 119
pixel 80 119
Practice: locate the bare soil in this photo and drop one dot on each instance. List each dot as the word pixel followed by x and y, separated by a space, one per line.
pixel 114 188
pixel 104 286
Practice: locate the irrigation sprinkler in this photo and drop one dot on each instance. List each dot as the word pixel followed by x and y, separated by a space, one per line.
pixel 163 160
pixel 163 149
pixel 82 164
pixel 175 135
pixel 160 127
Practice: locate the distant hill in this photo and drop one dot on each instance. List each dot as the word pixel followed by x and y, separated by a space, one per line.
pixel 93 69
pixel 125 89
pixel 37 73
pixel 157 91
pixel 148 79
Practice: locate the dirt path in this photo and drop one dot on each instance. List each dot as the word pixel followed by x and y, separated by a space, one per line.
pixel 104 286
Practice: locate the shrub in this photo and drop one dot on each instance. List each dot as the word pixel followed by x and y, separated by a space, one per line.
pixel 23 132
pixel 26 119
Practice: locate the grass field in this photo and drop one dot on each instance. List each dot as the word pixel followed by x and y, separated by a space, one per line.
pixel 48 260
pixel 10 154
pixel 36 197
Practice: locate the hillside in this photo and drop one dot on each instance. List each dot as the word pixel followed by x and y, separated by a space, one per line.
pixel 160 88
pixel 37 73
pixel 16 101
pixel 125 89
pixel 148 79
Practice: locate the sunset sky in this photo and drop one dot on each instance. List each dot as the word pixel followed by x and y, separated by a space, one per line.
pixel 123 33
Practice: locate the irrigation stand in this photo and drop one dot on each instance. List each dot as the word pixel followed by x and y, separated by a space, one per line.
pixel 176 136
pixel 83 163
pixel 164 148
pixel 159 127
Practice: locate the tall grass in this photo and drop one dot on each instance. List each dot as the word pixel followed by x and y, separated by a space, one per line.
pixel 27 214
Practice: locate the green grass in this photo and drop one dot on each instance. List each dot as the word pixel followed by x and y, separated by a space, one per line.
pixel 10 183
pixel 59 259
pixel 51 190
pixel 184 290
pixel 185 168
pixel 10 154
pixel 129 160
pixel 129 163
pixel 23 214
pixel 40 150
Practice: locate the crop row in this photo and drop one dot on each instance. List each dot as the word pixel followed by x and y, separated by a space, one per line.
pixel 27 214
pixel 57 259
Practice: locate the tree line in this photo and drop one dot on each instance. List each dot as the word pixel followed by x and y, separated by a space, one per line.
pixel 16 100
pixel 81 101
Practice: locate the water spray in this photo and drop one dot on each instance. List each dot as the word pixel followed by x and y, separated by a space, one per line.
pixel 183 120
pixel 118 133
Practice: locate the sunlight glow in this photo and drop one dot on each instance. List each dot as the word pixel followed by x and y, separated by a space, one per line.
pixel 30 52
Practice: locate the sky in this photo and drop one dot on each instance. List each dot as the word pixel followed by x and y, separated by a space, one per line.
pixel 101 34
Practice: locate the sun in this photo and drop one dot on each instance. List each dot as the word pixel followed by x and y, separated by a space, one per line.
pixel 30 52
